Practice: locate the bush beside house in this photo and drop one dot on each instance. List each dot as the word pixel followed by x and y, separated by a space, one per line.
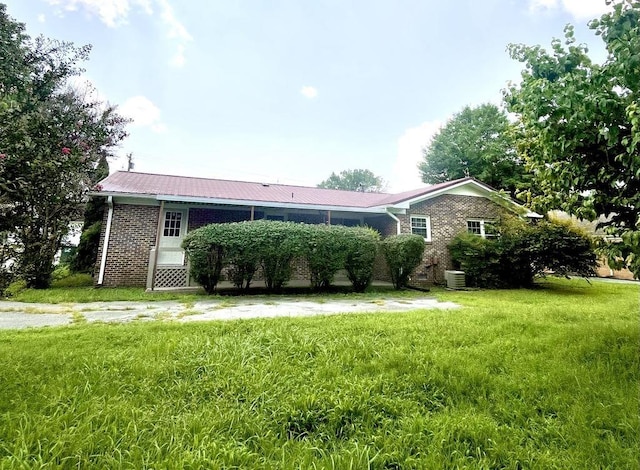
pixel 403 254
pixel 272 246
pixel 522 251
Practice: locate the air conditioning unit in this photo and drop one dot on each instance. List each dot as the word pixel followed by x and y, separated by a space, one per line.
pixel 455 279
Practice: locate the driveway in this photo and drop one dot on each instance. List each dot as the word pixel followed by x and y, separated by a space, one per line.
pixel 18 315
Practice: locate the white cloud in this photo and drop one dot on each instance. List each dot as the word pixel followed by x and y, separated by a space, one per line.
pixel 143 113
pixel 579 9
pixel 111 12
pixel 114 13
pixel 42 18
pixel 405 174
pixel 176 32
pixel 309 92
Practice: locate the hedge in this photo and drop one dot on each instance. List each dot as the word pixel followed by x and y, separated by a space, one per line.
pixel 243 247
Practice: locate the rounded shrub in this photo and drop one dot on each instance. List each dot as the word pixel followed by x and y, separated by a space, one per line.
pixel 205 248
pixel 403 254
pixel 325 249
pixel 361 246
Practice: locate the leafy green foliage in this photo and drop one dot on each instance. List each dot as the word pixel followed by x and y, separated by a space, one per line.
pixel 403 254
pixel 523 251
pixel 479 258
pixel 325 251
pixel 205 248
pixel 277 243
pixel 580 127
pixel 86 254
pixel 362 246
pixel 84 259
pixel 52 139
pixel 477 142
pixel 273 246
pixel 355 180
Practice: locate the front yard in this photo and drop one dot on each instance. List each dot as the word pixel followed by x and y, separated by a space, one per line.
pixel 542 378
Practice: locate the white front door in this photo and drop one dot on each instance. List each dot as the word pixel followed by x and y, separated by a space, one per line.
pixel 171 236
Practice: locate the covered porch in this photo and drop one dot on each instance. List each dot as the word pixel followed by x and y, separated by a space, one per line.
pixel 168 267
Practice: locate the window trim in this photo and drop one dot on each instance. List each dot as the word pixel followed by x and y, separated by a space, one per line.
pixel 482 223
pixel 427 225
pixel 178 225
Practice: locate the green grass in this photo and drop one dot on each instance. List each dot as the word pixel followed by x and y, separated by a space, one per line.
pixel 526 379
pixel 59 295
pixel 73 294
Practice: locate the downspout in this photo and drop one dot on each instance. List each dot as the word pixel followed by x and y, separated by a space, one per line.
pixel 398 228
pixel 105 244
pixel 155 254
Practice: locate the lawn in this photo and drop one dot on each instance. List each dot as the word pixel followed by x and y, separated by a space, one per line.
pixel 543 378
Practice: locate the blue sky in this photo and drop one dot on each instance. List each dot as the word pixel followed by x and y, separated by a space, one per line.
pixel 290 90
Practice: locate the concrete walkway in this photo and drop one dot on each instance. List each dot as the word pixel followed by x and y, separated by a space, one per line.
pixel 18 315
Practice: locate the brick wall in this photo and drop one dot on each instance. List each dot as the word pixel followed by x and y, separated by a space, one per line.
pixel 133 234
pixel 449 214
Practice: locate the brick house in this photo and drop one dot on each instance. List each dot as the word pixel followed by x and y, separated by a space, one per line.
pixel 148 215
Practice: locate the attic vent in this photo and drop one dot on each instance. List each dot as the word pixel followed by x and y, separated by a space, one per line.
pixel 455 279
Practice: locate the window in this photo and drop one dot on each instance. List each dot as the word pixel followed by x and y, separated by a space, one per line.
pixel 482 228
pixel 172 222
pixel 421 225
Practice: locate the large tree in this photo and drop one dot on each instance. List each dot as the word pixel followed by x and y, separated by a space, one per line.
pixel 355 180
pixel 475 142
pixel 580 125
pixel 52 138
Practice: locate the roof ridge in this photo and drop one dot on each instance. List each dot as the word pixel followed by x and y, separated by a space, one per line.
pixel 248 182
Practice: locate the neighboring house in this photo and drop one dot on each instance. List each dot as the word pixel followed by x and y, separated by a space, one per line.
pixel 145 211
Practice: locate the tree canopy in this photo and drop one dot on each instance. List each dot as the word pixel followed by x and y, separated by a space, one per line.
pixel 476 142
pixel 52 140
pixel 355 180
pixel 580 127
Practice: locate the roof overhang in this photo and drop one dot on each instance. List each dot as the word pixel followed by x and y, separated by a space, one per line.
pixel 471 188
pixel 239 202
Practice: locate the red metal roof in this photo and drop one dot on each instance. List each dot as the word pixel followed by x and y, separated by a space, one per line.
pixel 147 184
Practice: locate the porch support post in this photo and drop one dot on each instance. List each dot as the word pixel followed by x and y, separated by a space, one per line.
pixel 328 217
pixel 157 250
pixel 252 212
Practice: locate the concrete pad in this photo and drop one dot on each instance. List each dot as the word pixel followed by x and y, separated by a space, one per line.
pixel 16 315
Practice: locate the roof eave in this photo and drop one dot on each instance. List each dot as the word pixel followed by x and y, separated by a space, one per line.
pixel 242 202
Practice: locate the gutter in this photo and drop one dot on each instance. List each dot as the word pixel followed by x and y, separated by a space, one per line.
pixel 398 228
pixel 105 245
pixel 242 202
